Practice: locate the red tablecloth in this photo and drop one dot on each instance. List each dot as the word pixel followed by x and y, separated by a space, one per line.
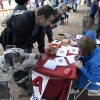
pixel 59 86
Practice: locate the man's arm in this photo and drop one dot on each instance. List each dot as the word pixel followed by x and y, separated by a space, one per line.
pixel 40 41
pixel 41 45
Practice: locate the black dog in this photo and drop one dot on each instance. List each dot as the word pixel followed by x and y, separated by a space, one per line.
pixel 65 16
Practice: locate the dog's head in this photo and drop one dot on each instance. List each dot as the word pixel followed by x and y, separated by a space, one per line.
pixel 13 60
pixel 18 59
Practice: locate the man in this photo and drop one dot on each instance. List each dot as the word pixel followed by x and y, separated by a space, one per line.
pixel 27 29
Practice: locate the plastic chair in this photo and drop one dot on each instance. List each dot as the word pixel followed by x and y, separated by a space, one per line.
pixel 95 91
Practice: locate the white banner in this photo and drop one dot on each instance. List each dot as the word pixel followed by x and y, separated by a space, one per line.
pixel 39 82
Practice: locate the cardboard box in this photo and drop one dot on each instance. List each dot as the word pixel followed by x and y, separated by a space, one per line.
pixel 64 42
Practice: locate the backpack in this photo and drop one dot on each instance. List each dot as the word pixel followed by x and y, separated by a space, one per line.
pixel 8 17
pixel 6 37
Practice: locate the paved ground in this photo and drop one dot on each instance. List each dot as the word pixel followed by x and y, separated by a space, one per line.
pixel 72 27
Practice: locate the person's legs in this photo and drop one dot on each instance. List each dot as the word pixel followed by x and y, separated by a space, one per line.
pixel 9 1
pixel 92 16
pixel 61 21
pixel 2 5
pixel 42 2
pixel 47 30
pixel 98 29
pixel 75 7
pixel 49 38
pixel 67 17
pixel 49 34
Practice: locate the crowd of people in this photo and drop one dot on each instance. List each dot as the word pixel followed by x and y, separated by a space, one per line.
pixel 33 25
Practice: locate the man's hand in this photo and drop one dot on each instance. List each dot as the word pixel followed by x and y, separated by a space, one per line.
pixel 43 56
pixel 78 64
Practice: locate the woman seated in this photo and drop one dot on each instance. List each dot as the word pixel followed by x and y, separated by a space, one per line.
pixel 89 63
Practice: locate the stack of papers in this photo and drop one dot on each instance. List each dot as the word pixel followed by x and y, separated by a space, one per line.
pixel 73 50
pixel 71 59
pixel 61 61
pixel 50 64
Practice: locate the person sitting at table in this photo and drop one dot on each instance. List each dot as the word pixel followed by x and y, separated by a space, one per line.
pixel 59 11
pixel 88 64
pixel 87 29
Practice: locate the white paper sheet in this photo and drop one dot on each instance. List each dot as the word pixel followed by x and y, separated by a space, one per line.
pixel 98 41
pixel 62 51
pixel 61 61
pixel 50 64
pixel 71 59
pixel 56 42
pixel 45 80
pixel 73 50
pixel 78 37
pixel 68 36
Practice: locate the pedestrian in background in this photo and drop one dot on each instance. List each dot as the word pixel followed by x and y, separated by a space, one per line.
pixel 21 5
pixel 1 3
pixel 93 9
pixel 98 26
pixel 9 1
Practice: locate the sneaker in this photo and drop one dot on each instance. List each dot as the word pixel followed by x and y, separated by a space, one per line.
pixel 74 91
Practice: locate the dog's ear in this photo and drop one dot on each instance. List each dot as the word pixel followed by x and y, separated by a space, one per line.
pixel 9 58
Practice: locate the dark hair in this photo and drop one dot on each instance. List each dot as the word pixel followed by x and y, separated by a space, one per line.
pixel 86 45
pixel 21 2
pixel 46 10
